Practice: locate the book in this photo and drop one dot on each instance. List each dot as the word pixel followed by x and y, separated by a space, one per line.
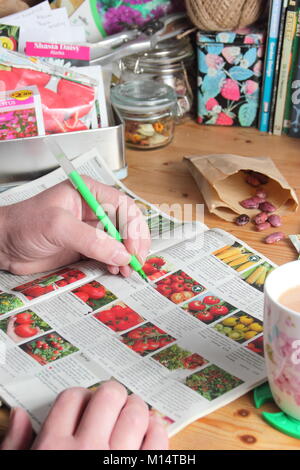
pixel 277 65
pixel 269 68
pixel 294 130
pixel 188 342
pixel 286 54
pixel 294 61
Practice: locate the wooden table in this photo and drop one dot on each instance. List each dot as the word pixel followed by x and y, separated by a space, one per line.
pixel 161 177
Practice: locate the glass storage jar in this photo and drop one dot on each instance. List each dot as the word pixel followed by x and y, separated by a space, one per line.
pixel 171 62
pixel 148 110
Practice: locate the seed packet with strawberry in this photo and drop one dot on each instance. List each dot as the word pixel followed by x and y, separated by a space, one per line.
pixel 68 97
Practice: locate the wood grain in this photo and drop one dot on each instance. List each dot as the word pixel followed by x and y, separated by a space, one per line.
pixel 160 176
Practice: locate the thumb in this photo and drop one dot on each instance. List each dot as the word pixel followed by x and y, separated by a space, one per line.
pixel 19 435
pixel 78 236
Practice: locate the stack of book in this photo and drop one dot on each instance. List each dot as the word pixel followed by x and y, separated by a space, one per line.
pixel 280 104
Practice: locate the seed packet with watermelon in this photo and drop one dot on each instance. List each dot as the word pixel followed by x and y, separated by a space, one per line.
pixel 21 114
pixel 68 97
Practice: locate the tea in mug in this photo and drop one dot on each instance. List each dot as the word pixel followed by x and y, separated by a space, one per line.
pixel 291 299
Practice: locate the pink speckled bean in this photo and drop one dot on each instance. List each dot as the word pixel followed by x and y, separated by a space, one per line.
pixel 264 226
pixel 252 180
pixel 267 207
pixel 251 202
pixel 261 218
pixel 274 237
pixel 274 220
pixel 261 194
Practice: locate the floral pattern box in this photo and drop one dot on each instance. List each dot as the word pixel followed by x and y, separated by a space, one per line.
pixel 229 77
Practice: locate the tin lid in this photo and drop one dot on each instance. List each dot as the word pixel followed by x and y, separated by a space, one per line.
pixel 244 36
pixel 142 96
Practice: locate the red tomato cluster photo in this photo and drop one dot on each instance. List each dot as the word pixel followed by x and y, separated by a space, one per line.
pixel 179 287
pixel 50 282
pixel 94 294
pixel 146 339
pixel 119 317
pixel 208 307
pixel 155 267
pixel 257 346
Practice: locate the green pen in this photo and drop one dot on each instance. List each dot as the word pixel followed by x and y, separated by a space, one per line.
pixel 91 201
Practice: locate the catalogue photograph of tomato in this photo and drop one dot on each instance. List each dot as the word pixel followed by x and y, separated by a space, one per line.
pixel 257 345
pixel 156 267
pixel 240 327
pixel 94 294
pixel 179 287
pixel 146 338
pixel 119 317
pixel 23 325
pixel 175 357
pixel 48 348
pixel 212 382
pixel 50 283
pixel 208 307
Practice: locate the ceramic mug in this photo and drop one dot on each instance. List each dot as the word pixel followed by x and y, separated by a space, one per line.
pixel 282 339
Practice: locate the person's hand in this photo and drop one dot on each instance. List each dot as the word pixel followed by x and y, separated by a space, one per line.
pixel 56 228
pixel 107 419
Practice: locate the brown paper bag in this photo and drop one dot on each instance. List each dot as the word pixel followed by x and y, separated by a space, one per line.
pixel 222 182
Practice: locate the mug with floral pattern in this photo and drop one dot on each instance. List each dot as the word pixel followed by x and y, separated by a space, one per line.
pixel 282 339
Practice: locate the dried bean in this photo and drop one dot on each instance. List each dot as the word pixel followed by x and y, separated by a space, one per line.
pixel 274 237
pixel 263 226
pixel 250 179
pixel 267 207
pixel 242 219
pixel 275 220
pixel 250 203
pixel 263 179
pixel 261 218
pixel 261 194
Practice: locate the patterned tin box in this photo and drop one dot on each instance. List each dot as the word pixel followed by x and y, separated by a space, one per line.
pixel 229 77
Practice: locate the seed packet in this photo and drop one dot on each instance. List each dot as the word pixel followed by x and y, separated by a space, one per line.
pixel 63 54
pixel 9 36
pixel 21 114
pixel 68 97
pixel 72 55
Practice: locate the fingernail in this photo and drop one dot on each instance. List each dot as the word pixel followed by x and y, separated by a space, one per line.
pixel 142 255
pixel 121 257
pixel 114 270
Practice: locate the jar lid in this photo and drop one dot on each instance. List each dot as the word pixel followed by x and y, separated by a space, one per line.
pixel 165 53
pixel 143 96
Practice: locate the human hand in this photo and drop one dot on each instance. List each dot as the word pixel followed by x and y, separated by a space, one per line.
pixel 56 228
pixel 107 419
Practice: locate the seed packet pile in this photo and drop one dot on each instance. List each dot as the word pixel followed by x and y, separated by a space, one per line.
pixel 20 114
pixel 68 97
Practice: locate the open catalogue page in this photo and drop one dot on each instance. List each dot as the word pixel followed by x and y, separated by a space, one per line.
pixel 188 342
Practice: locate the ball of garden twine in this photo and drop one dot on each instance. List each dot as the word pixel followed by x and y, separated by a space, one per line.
pixel 225 15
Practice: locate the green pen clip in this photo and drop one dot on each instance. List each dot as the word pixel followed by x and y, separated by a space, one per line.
pixel 280 421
